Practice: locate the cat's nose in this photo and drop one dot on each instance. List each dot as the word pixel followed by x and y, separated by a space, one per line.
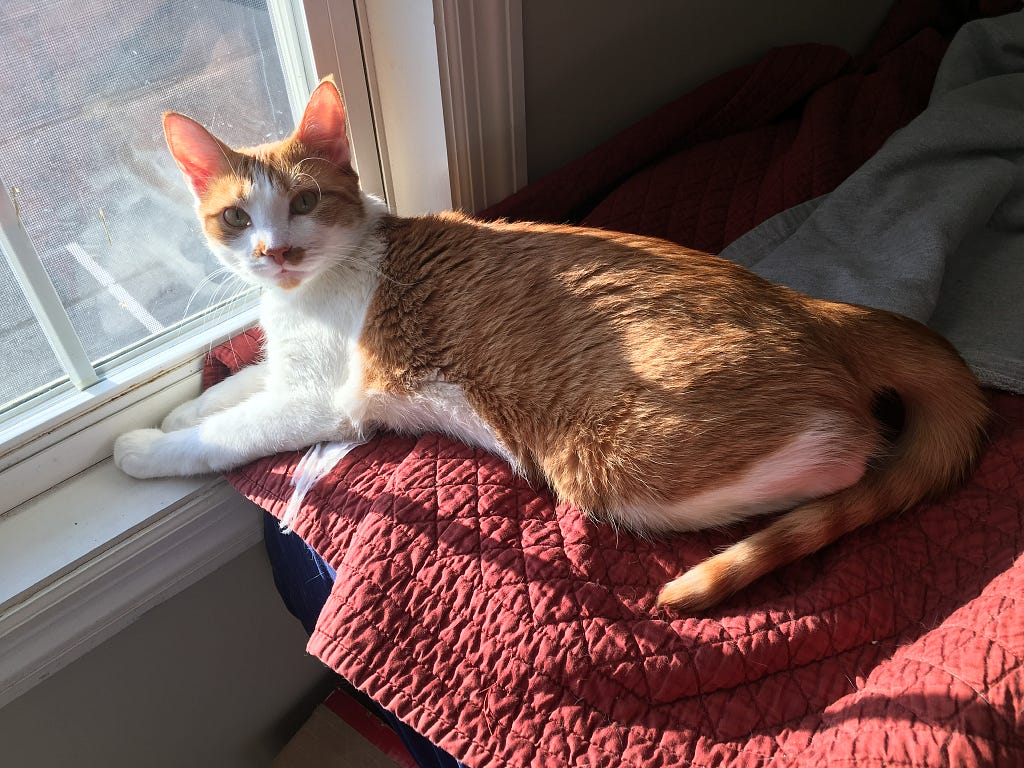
pixel 278 253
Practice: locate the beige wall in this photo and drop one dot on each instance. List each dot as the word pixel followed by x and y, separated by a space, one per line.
pixel 215 676
pixel 592 67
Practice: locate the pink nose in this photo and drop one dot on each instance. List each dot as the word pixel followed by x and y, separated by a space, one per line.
pixel 278 254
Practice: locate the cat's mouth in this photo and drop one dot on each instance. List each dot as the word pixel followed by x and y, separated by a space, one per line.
pixel 283 273
pixel 287 277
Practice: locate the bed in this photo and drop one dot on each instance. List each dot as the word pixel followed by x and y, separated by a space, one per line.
pixel 509 630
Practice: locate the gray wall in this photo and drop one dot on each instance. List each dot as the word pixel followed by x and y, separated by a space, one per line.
pixel 215 676
pixel 592 67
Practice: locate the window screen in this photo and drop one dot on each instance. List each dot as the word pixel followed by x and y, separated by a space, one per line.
pixel 81 142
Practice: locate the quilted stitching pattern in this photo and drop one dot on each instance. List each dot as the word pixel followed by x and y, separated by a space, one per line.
pixel 515 632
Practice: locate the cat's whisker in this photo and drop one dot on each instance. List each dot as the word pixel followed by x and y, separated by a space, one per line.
pixel 219 289
pixel 322 160
pixel 227 159
pixel 202 284
pixel 296 175
pixel 221 299
pixel 234 289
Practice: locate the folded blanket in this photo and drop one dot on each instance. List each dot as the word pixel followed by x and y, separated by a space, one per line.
pixel 932 226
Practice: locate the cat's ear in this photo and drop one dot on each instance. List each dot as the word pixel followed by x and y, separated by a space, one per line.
pixel 322 128
pixel 200 155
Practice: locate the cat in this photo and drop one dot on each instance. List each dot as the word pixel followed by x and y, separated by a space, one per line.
pixel 649 384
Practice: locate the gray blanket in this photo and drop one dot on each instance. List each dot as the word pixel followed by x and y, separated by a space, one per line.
pixel 933 225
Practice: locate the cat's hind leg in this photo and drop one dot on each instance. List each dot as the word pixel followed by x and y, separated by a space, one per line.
pixel 813 472
pixel 822 459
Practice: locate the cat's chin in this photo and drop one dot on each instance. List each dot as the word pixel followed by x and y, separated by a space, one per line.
pixel 284 279
pixel 285 282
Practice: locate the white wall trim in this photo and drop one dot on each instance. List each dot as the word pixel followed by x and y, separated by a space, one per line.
pixel 480 57
pixel 360 19
pixel 46 628
pixel 337 48
pixel 400 52
pixel 443 95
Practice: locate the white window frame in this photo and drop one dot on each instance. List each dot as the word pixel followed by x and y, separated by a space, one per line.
pixel 84 549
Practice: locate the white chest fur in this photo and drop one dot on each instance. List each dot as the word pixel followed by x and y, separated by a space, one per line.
pixel 312 341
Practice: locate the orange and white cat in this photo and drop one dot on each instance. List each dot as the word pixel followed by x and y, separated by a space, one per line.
pixel 646 383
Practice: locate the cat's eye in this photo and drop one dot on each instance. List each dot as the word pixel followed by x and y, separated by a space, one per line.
pixel 236 217
pixel 304 202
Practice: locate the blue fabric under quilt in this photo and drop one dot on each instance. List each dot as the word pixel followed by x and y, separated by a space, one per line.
pixel 304 581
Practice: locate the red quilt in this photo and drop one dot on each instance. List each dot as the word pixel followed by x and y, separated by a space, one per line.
pixel 511 631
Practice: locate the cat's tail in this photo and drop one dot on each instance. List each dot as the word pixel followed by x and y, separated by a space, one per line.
pixel 944 419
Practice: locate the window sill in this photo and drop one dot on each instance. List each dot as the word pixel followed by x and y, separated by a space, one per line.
pixel 83 560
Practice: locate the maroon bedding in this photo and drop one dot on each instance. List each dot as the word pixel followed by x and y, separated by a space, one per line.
pixel 512 631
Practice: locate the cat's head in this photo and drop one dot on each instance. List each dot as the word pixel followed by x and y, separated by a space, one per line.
pixel 281 213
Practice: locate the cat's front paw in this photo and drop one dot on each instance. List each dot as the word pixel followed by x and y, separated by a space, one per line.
pixel 186 415
pixel 136 453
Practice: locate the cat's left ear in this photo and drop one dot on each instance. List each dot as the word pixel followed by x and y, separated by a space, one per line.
pixel 200 155
pixel 322 128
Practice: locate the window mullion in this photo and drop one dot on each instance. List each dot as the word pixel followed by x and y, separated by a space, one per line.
pixel 41 295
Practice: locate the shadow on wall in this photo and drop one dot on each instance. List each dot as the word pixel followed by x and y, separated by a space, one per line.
pixel 592 67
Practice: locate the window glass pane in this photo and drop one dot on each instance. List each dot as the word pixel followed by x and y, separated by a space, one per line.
pixel 28 361
pixel 84 86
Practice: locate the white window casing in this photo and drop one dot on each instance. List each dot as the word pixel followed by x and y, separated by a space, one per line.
pixel 334 41
pixel 106 564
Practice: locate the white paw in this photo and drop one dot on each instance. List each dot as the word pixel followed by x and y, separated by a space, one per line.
pixel 188 414
pixel 136 454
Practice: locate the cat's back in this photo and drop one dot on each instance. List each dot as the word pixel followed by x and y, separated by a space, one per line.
pixel 547 286
pixel 515 247
pixel 492 304
pixel 504 263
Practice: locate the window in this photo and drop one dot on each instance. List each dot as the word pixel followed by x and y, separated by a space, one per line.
pixel 104 276
pixel 100 246
pixel 83 159
pixel 104 270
